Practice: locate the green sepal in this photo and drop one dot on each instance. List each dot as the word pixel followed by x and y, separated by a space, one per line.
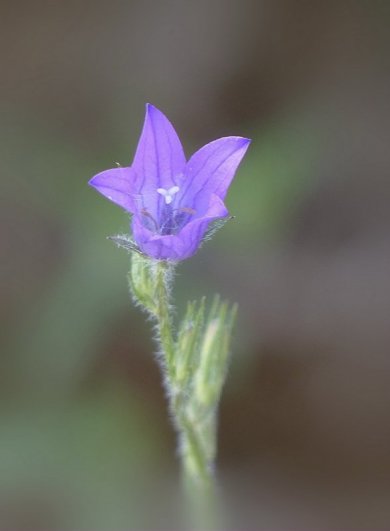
pixel 125 241
pixel 214 353
pixel 214 227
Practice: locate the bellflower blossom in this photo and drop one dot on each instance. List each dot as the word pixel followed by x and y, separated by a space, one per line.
pixel 172 201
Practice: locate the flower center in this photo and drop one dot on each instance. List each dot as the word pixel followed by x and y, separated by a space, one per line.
pixel 168 194
pixel 171 220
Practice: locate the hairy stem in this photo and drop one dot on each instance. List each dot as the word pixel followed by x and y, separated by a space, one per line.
pixel 196 468
pixel 163 317
pixel 194 363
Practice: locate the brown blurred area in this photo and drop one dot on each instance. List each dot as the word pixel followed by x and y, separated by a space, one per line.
pixel 305 426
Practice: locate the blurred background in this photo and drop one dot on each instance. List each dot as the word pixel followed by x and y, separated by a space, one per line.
pixel 85 441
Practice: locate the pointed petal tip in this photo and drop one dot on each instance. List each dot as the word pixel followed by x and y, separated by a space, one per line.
pixel 242 143
pixel 91 181
pixel 99 179
pixel 241 140
pixel 116 185
pixel 152 109
pixel 153 113
pixel 246 142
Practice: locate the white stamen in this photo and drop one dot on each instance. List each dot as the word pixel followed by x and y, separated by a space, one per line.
pixel 168 194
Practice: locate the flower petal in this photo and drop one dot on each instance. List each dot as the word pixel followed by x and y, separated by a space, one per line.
pixel 183 244
pixel 159 158
pixel 212 168
pixel 117 185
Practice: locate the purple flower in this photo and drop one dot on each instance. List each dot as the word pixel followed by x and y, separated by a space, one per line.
pixel 172 201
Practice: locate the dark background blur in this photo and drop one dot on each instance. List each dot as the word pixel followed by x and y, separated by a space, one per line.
pixel 85 442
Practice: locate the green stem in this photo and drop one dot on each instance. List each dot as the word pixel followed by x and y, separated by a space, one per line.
pixel 187 381
pixel 163 316
pixel 196 468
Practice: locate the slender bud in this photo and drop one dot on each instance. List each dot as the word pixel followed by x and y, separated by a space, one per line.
pixel 214 354
pixel 188 341
pixel 141 281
